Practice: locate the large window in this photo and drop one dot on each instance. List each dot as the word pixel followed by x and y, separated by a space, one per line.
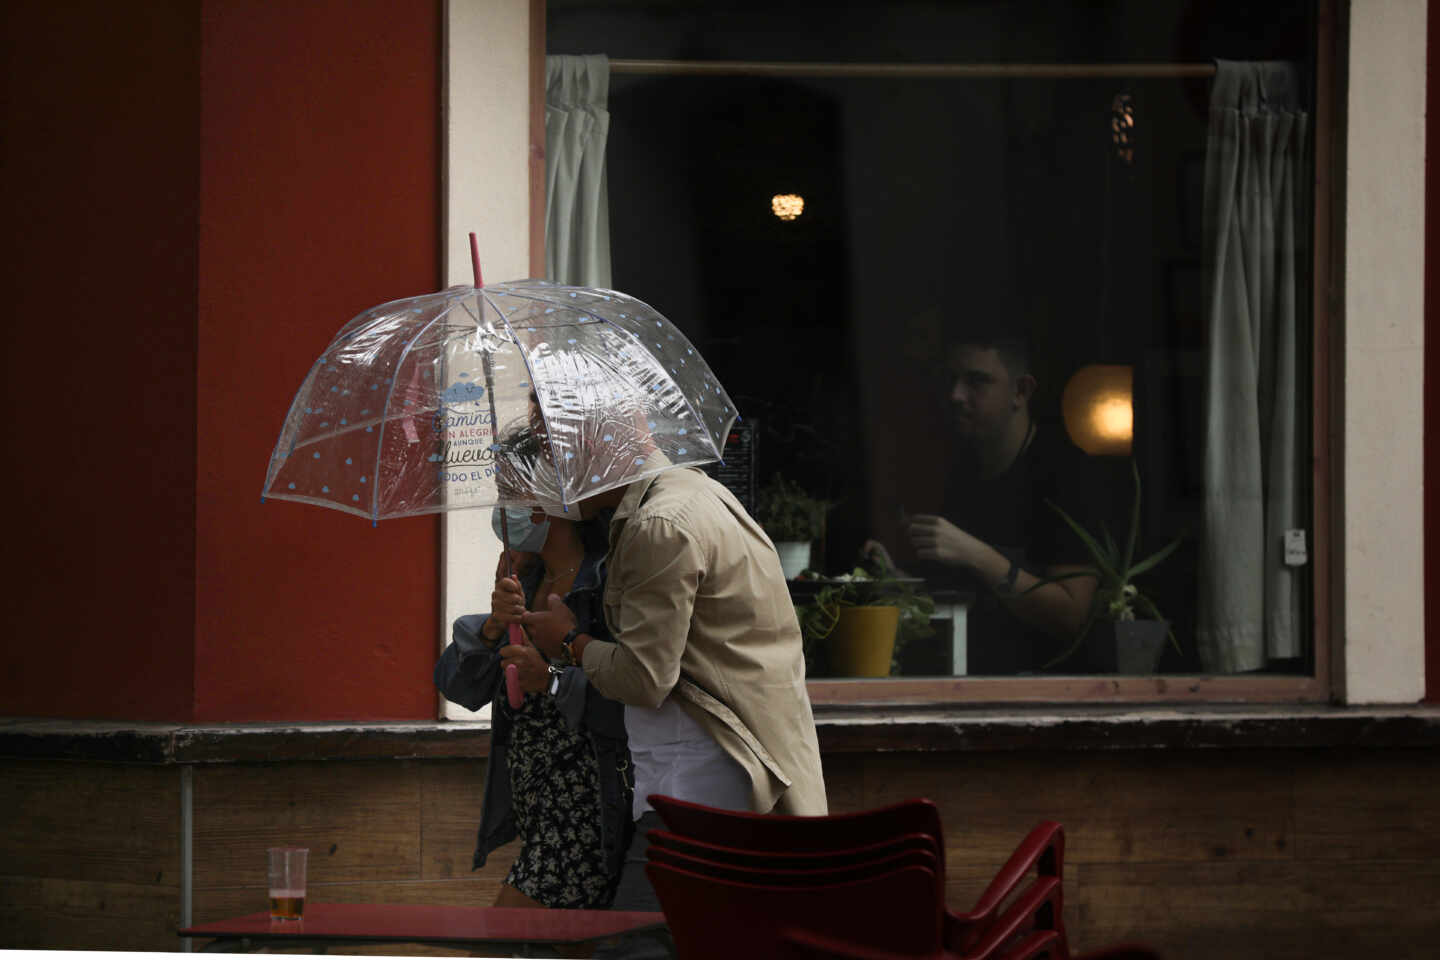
pixel 971 271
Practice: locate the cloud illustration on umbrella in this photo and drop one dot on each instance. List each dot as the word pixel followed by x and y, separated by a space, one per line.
pixel 463 392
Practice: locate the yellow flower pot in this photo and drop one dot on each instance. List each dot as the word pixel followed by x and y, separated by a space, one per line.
pixel 863 641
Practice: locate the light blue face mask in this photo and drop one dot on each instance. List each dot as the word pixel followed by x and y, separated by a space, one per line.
pixel 525 536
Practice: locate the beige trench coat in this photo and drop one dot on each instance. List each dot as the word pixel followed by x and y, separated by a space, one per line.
pixel 700 610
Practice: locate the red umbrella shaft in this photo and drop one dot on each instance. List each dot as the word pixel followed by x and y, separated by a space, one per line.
pixel 490 389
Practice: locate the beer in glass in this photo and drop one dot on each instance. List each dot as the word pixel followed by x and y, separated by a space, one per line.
pixel 287 882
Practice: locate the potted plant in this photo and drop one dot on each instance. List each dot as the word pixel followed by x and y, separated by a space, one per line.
pixel 793 519
pixel 856 624
pixel 1120 641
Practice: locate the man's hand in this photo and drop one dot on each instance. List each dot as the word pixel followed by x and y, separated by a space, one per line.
pixel 548 628
pixel 936 538
pixel 534 674
pixel 875 550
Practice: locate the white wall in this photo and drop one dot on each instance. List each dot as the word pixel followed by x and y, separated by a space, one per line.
pixel 487 192
pixel 1384 659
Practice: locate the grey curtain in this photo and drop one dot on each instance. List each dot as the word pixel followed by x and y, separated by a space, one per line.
pixel 1256 240
pixel 577 214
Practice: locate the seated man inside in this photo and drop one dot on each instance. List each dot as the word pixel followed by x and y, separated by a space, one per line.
pixel 995 534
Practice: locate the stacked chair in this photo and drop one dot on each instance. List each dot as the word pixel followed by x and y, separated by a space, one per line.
pixel 859 886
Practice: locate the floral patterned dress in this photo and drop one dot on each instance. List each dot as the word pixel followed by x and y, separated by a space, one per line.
pixel 555 784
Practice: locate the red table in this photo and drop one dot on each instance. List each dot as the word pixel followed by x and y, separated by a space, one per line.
pixel 460 927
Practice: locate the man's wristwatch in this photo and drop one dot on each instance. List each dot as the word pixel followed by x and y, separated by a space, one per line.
pixel 555 673
pixel 567 643
pixel 1007 586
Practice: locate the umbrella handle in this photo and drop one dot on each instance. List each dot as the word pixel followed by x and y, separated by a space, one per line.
pixel 513 692
pixel 512 672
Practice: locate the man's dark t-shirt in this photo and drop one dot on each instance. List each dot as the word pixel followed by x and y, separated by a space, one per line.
pixel 1009 512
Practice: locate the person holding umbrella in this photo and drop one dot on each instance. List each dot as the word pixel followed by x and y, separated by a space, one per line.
pixel 698 636
pixel 705 654
pixel 557 775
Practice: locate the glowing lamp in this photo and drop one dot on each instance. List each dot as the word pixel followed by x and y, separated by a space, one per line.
pixel 1098 409
pixel 787 206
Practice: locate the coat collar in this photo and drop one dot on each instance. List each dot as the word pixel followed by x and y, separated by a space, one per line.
pixel 634 495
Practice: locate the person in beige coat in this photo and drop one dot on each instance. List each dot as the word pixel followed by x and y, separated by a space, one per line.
pixel 707 657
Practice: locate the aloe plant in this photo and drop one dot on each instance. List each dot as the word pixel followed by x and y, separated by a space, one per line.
pixel 1116 596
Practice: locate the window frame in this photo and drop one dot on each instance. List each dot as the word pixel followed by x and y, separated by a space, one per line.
pixel 1327 465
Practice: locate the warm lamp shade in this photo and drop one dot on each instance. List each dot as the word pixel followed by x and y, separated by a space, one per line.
pixel 1098 409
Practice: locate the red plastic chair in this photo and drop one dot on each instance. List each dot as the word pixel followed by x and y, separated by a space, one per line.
pixel 1036 945
pixel 776 832
pixel 718 919
pixel 1024 930
pixel 1012 937
pixel 791 875
pixel 791 860
pixel 1041 852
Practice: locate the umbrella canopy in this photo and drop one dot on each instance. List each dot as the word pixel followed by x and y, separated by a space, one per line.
pixel 405 410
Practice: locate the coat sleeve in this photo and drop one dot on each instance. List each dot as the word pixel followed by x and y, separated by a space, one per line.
pixel 468 672
pixel 656 573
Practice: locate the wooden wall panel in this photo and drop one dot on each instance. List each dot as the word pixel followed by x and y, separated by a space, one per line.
pixel 1191 811
pixel 844 781
pixel 986 801
pixel 450 818
pixel 450 797
pixel 1235 853
pixel 1190 911
pixel 42 914
pixel 1368 805
pixel 105 823
pixel 1256 853
pixel 1278 910
pixel 378 831
pixel 90 857
pixel 1381 908
pixel 360 820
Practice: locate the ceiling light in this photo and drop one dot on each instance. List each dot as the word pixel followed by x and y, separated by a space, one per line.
pixel 787 206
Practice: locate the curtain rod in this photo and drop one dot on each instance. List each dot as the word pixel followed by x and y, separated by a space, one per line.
pixel 732 68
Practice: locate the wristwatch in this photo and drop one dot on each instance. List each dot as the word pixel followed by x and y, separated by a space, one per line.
pixel 555 673
pixel 1007 586
pixel 567 642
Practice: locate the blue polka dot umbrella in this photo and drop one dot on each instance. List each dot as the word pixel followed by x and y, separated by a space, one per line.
pixel 406 410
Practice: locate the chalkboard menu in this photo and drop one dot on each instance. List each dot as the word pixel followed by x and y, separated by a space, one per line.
pixel 737 473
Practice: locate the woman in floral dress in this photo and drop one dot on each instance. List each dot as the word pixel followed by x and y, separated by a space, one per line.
pixel 558 773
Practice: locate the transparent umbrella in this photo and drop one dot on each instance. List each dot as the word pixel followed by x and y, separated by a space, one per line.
pixel 403 412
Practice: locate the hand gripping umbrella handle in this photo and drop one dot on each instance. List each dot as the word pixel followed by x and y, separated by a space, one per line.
pixel 513 692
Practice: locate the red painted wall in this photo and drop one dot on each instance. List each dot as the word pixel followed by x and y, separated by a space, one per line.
pixel 100 148
pixel 197 196
pixel 319 198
